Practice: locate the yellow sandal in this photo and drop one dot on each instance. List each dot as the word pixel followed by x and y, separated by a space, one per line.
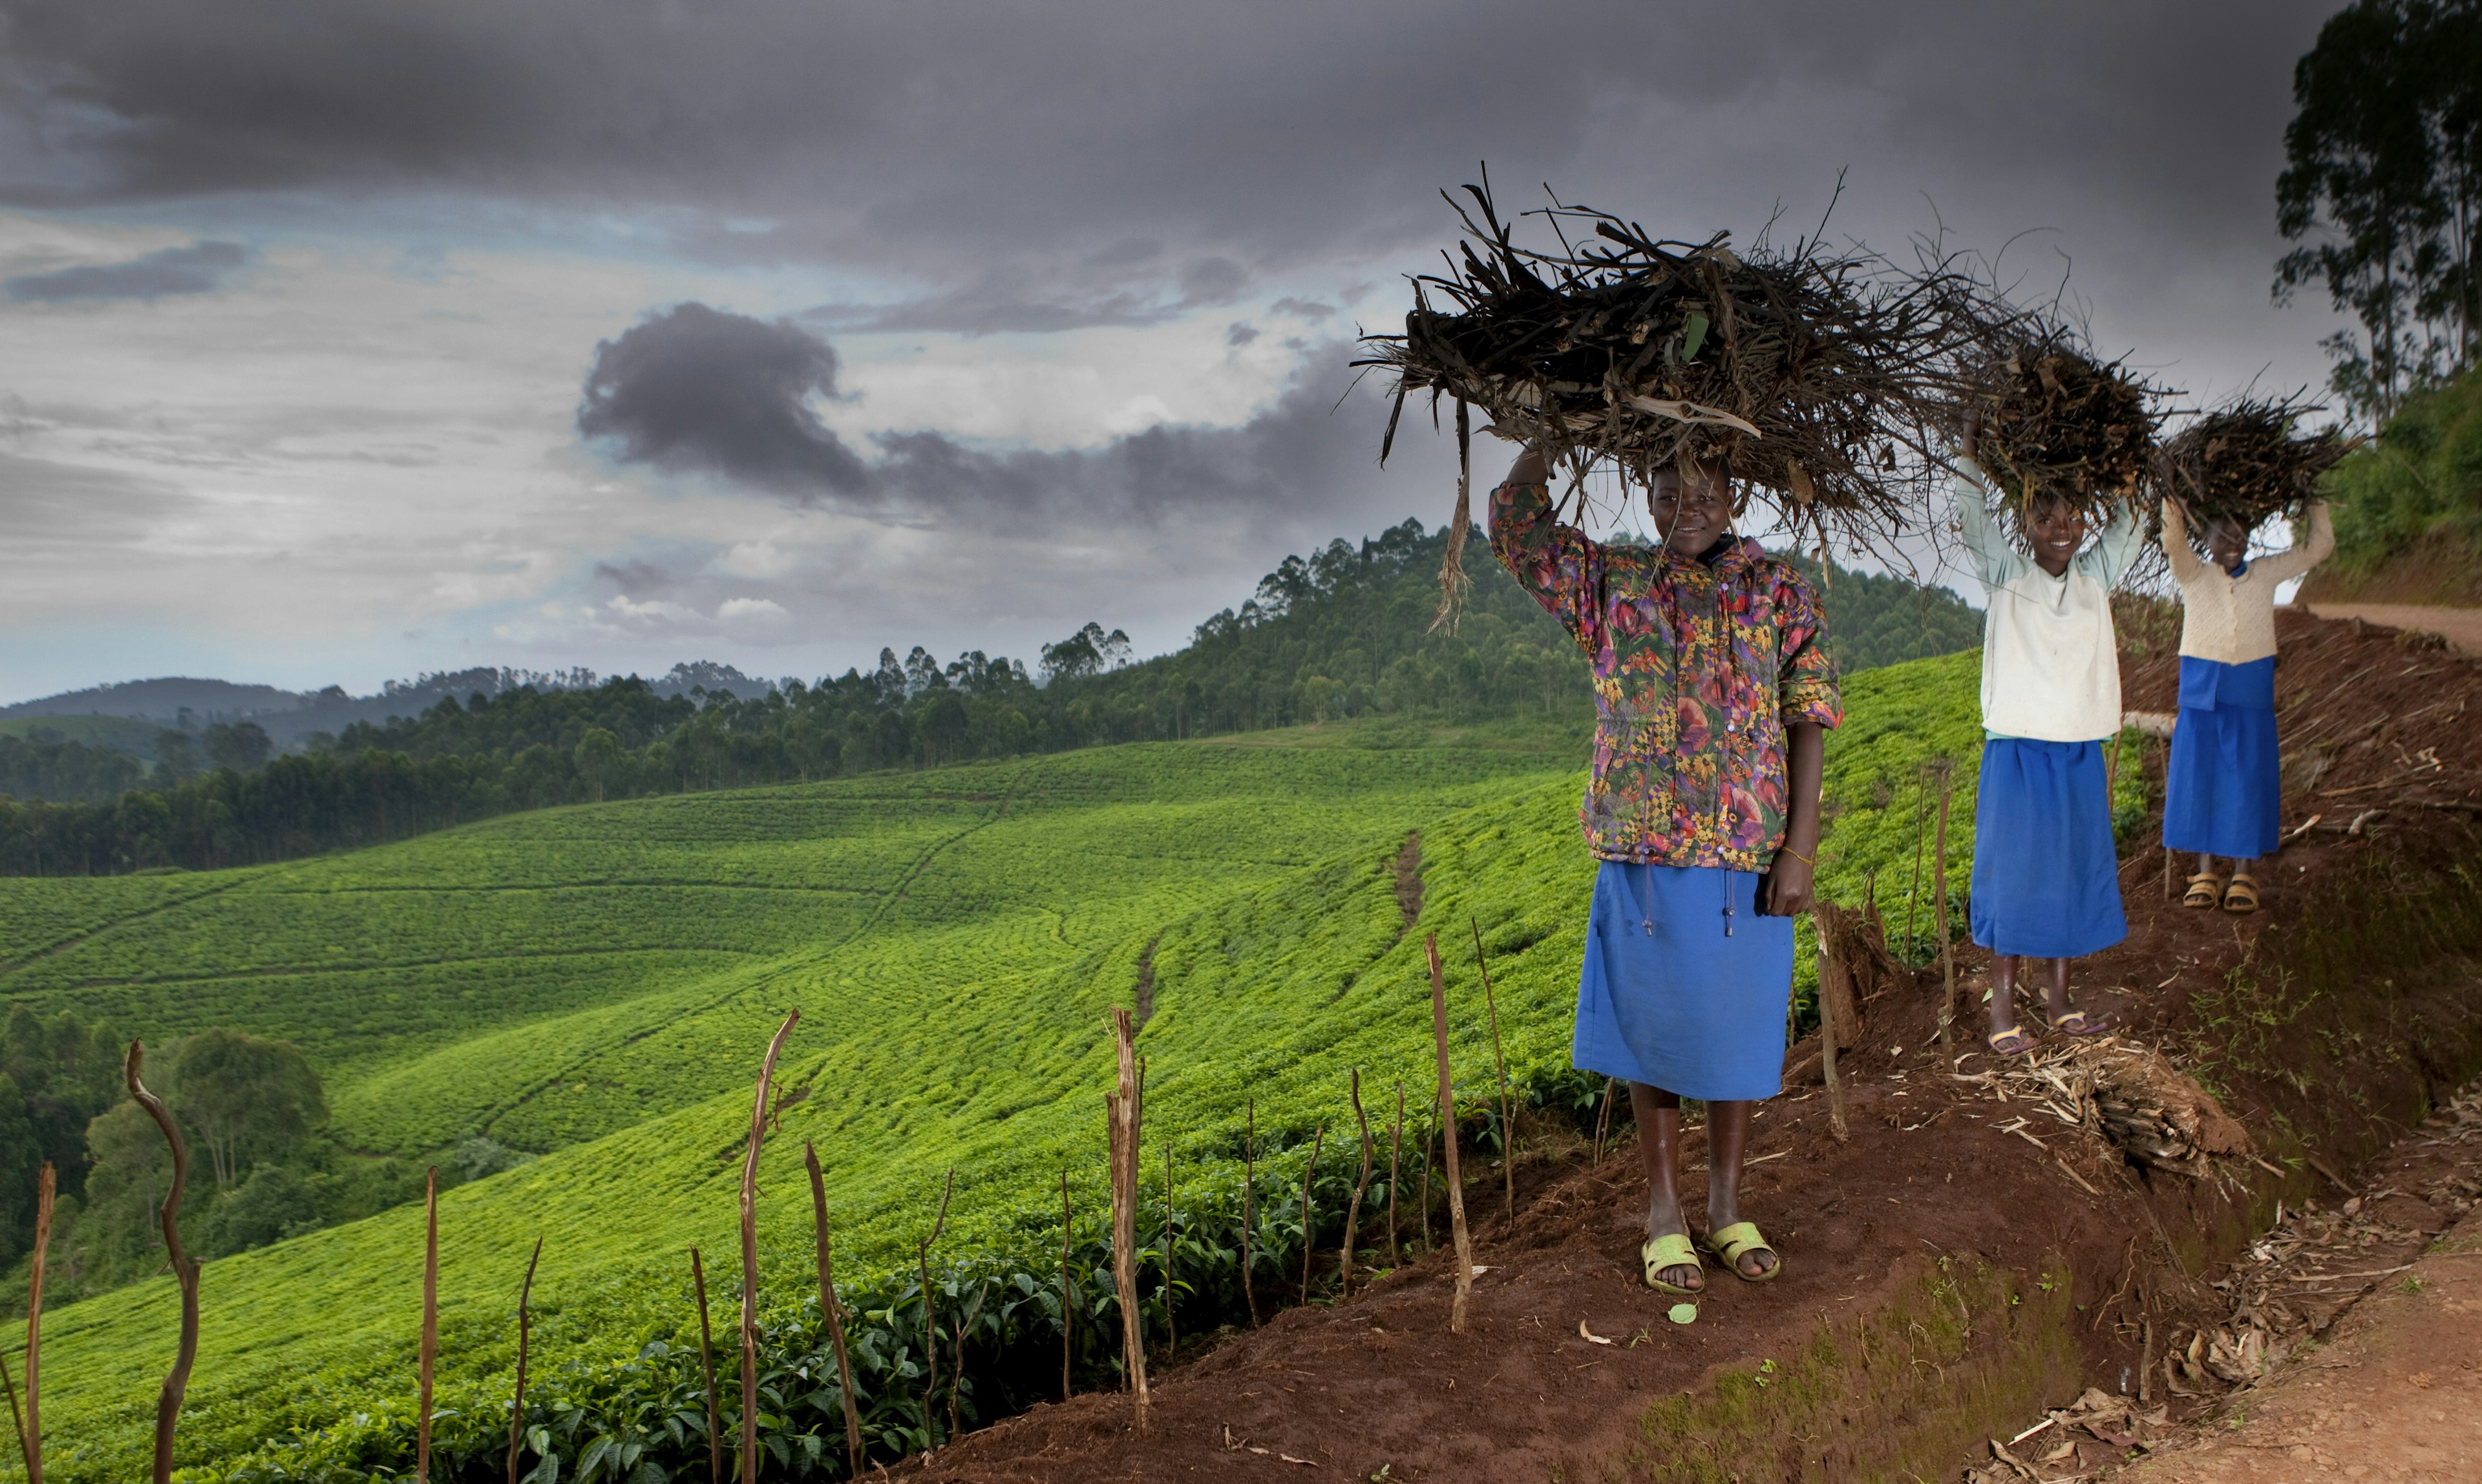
pixel 1738 1240
pixel 2240 898
pixel 2206 890
pixel 1669 1251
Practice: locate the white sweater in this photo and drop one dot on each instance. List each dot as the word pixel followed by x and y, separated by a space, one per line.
pixel 2051 670
pixel 2233 619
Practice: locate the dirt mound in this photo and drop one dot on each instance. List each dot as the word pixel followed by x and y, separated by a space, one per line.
pixel 1968 1257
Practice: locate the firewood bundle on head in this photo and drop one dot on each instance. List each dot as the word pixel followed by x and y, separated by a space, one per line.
pixel 2245 462
pixel 1811 377
pixel 2059 420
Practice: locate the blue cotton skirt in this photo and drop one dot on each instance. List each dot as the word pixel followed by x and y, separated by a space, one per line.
pixel 2045 878
pixel 2224 794
pixel 1669 998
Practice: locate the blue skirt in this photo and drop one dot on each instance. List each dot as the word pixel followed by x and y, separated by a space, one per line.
pixel 2045 877
pixel 2225 793
pixel 1669 998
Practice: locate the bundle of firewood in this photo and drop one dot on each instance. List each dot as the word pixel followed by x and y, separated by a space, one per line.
pixel 2246 461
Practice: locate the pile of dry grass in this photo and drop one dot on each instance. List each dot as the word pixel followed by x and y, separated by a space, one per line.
pixel 1822 378
pixel 2246 461
pixel 2058 420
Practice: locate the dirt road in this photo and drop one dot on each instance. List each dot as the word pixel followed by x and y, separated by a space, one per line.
pixel 2458 626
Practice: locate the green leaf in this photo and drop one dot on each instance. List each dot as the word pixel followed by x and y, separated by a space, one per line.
pixel 1691 337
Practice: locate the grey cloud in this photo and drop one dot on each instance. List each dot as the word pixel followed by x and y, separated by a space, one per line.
pixel 1240 333
pixel 695 389
pixel 633 579
pixel 1310 309
pixel 1115 145
pixel 197 269
pixel 698 390
pixel 46 504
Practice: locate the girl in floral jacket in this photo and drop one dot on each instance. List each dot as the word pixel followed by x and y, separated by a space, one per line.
pixel 1712 693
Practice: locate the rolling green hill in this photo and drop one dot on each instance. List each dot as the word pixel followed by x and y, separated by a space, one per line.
pixel 595 983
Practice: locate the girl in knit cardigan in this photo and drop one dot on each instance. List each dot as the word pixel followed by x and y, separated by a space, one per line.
pixel 2045 873
pixel 2225 793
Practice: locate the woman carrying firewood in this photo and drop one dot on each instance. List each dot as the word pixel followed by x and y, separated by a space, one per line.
pixel 1712 691
pixel 2224 794
pixel 2046 874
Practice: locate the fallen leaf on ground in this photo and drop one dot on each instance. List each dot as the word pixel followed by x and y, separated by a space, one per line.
pixel 1584 1333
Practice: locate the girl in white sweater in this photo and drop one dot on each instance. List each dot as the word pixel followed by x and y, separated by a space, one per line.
pixel 2046 874
pixel 2224 794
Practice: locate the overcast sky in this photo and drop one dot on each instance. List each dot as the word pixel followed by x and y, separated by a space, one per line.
pixel 342 340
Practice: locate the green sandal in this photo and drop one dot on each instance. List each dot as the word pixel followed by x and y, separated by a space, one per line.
pixel 1736 1241
pixel 1674 1250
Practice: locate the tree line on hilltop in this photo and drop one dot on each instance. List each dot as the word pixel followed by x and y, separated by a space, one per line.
pixel 1341 634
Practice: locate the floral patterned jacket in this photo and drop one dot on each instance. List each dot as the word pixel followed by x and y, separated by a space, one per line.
pixel 1697 672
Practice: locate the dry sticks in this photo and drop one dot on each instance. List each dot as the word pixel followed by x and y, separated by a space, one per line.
pixel 1944 770
pixel 525 1328
pixel 1805 370
pixel 1121 1106
pixel 1318 1141
pixel 749 1255
pixel 706 1362
pixel 1832 975
pixel 1249 1177
pixel 1448 1128
pixel 1353 1209
pixel 185 1269
pixel 930 1314
pixel 31 1429
pixel 832 1311
pixel 2243 462
pixel 1395 1155
pixel 2062 421
pixel 16 1418
pixel 428 1353
pixel 1499 1058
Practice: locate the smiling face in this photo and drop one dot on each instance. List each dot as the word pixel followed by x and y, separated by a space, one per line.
pixel 2228 542
pixel 2055 528
pixel 1691 512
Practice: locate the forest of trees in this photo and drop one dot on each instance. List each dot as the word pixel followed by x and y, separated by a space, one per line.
pixel 251 1110
pixel 1341 634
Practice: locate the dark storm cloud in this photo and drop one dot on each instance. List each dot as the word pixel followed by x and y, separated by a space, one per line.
pixel 696 389
pixel 700 391
pixel 935 140
pixel 633 579
pixel 197 269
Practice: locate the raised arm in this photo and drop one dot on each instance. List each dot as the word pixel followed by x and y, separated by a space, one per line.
pixel 2307 551
pixel 1560 567
pixel 2123 540
pixel 2177 551
pixel 1995 561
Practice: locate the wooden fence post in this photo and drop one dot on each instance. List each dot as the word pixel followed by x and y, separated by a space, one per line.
pixel 1835 985
pixel 706 1362
pixel 750 1256
pixel 428 1354
pixel 1507 1125
pixel 525 1329
pixel 185 1270
pixel 831 1310
pixel 1448 1128
pixel 1353 1208
pixel 31 1430
pixel 1125 1129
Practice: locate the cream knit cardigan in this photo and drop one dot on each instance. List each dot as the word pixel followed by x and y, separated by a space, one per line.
pixel 2233 619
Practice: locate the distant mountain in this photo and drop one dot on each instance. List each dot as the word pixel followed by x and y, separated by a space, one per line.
pixel 290 716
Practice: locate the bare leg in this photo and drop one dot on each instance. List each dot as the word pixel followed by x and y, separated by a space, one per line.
pixel 1658 1144
pixel 2206 864
pixel 2003 994
pixel 1727 1135
pixel 2056 991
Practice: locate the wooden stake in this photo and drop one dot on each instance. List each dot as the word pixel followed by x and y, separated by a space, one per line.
pixel 1318 1141
pixel 1353 1208
pixel 16 1418
pixel 185 1272
pixel 1448 1140
pixel 1507 1128
pixel 1249 1177
pixel 428 1355
pixel 1068 1330
pixel 1428 1136
pixel 1826 919
pixel 707 1362
pixel 1395 1157
pixel 750 1256
pixel 1604 1115
pixel 1172 1332
pixel 32 1428
pixel 1122 1107
pixel 1922 813
pixel 1947 940
pixel 525 1328
pixel 930 1314
pixel 833 1311
pixel 2111 776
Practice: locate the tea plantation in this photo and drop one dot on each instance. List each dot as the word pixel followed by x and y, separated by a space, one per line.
pixel 596 983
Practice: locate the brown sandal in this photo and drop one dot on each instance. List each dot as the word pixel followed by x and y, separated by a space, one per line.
pixel 2240 898
pixel 2206 890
